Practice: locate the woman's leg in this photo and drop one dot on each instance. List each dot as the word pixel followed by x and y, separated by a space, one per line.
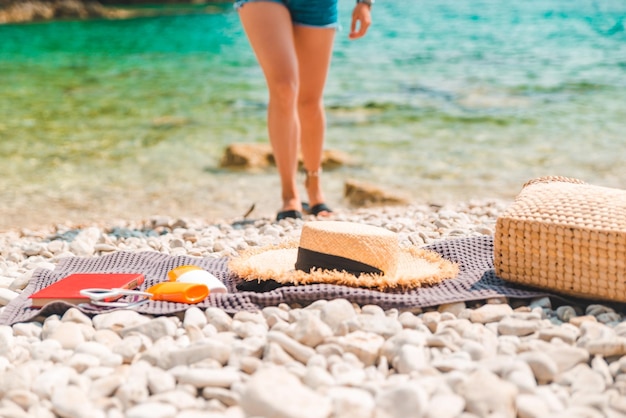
pixel 314 49
pixel 270 32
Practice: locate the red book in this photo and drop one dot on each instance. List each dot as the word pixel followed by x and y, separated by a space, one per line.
pixel 68 288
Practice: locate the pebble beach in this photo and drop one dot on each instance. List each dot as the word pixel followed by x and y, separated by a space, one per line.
pixel 109 123
pixel 489 358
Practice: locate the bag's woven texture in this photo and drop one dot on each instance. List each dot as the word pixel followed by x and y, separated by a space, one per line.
pixel 476 281
pixel 567 236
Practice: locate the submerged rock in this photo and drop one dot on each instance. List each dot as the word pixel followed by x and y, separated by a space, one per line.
pixel 362 194
pixel 33 10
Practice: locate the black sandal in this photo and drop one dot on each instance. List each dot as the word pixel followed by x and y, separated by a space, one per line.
pixel 289 214
pixel 317 209
pixel 320 207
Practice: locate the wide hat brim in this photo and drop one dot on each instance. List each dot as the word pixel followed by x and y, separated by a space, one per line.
pixel 416 268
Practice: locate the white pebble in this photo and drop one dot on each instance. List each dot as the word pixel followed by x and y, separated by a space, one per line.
pixel 445 406
pixel 366 346
pixel 348 402
pixel 201 378
pixel 7 296
pixel 486 394
pixel 72 402
pixel 490 313
pixel 336 312
pixel 401 401
pixel 543 366
pixel 260 396
pixel 299 351
pixel 152 410
pixel 69 334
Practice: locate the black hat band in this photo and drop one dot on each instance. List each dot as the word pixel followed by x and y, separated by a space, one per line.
pixel 308 260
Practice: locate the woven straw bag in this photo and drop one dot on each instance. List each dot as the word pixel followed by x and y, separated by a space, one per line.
pixel 567 236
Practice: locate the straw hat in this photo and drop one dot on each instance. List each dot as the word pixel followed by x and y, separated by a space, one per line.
pixel 345 253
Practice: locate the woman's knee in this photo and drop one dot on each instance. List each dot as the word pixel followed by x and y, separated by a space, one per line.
pixel 310 105
pixel 284 90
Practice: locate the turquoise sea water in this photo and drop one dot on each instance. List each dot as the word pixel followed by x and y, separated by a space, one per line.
pixel 442 100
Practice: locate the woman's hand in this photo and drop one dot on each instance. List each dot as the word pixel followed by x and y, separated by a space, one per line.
pixel 361 20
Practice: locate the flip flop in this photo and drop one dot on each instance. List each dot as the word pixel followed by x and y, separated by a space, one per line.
pixel 316 209
pixel 286 214
pixel 319 208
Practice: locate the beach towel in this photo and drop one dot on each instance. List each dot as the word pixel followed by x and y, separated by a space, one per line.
pixel 476 281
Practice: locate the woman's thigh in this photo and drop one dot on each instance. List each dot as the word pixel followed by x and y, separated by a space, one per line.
pixel 314 48
pixel 269 29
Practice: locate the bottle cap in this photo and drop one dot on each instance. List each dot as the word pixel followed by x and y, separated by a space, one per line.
pixel 195 274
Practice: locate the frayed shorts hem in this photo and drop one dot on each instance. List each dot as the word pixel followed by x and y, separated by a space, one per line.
pixel 303 13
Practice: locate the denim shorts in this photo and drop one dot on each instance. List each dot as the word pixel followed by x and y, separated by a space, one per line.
pixel 316 13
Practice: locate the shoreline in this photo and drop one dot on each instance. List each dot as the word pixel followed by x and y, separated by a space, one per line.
pixel 188 194
pixel 464 217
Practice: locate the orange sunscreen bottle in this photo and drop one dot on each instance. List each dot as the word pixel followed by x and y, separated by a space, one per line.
pixel 179 292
